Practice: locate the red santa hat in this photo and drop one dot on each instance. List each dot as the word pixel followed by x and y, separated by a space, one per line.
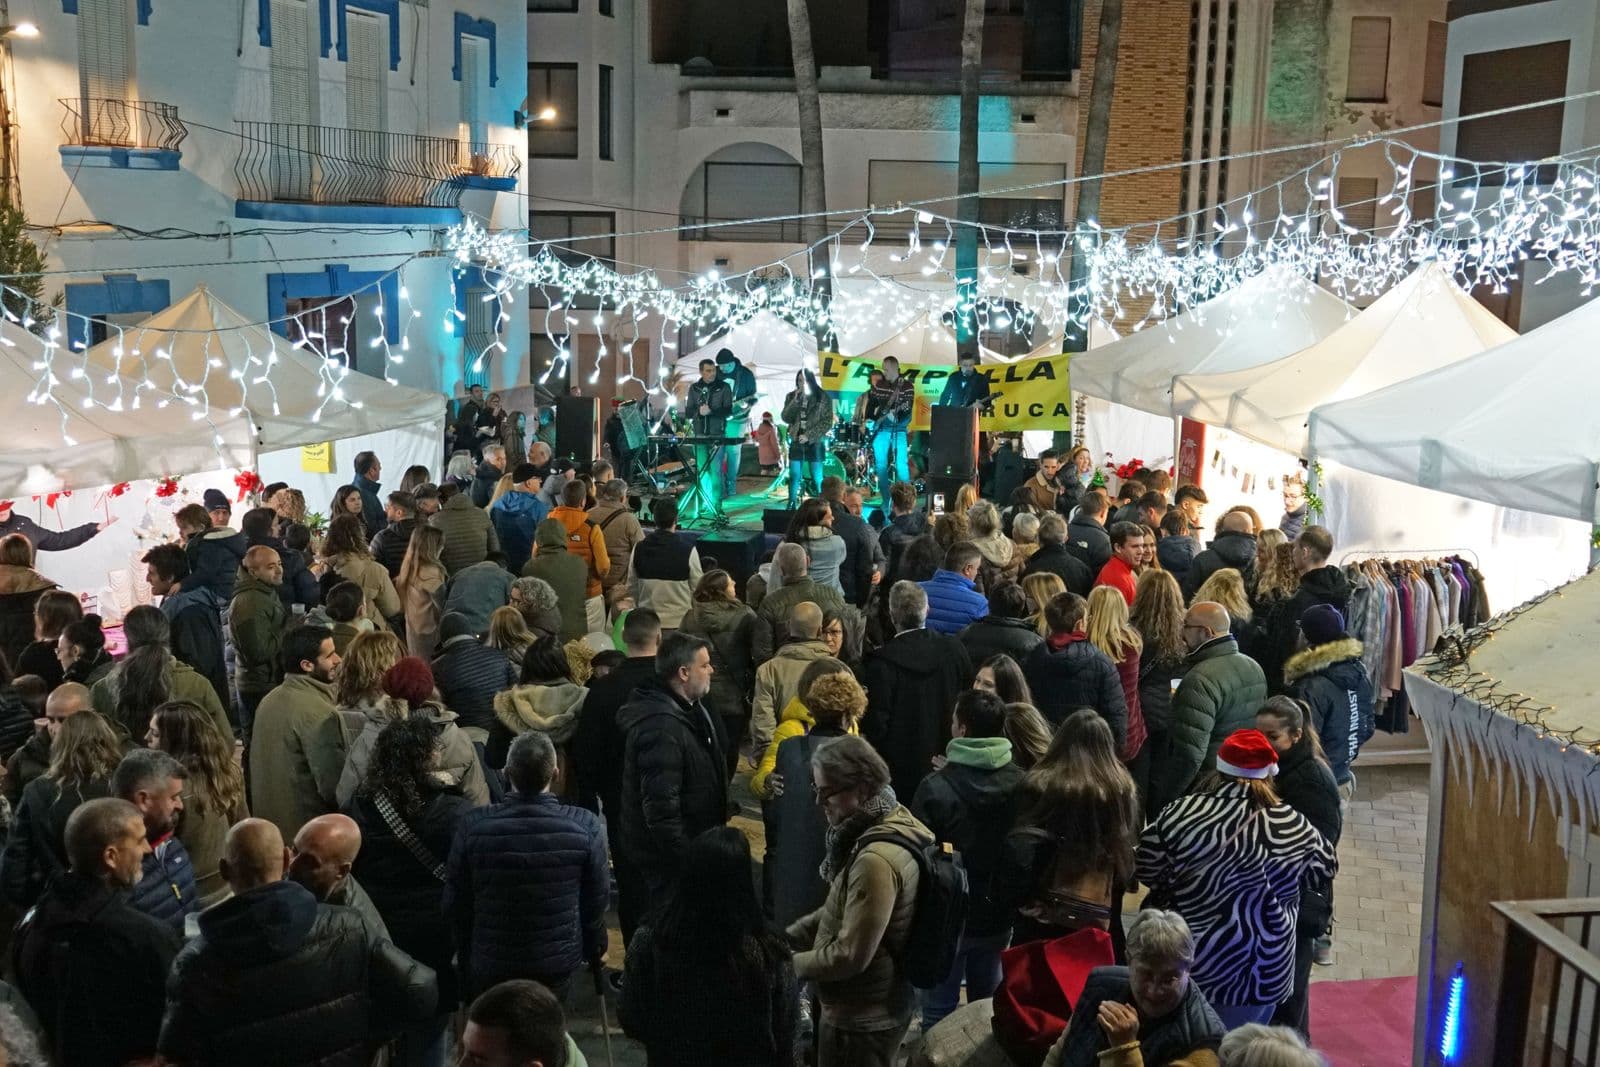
pixel 1247 754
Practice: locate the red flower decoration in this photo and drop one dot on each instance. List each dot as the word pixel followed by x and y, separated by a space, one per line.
pixel 167 487
pixel 51 499
pixel 248 482
pixel 120 488
pixel 1128 469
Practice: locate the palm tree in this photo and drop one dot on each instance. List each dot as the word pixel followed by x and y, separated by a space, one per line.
pixel 1096 133
pixel 967 181
pixel 813 189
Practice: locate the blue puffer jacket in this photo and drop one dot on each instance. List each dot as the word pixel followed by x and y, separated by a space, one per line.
pixel 526 890
pixel 953 602
pixel 214 559
pixel 468 675
pixel 165 890
pixel 515 515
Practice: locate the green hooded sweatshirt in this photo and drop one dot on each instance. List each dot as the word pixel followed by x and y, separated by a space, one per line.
pixel 984 753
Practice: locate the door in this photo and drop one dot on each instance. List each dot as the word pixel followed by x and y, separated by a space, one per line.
pixel 474 80
pixel 292 146
pixel 105 77
pixel 366 89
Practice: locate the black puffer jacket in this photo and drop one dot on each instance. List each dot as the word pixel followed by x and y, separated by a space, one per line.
pixel 16 722
pixel 388 545
pixel 674 781
pixel 1077 675
pixel 1176 555
pixel 996 633
pixel 526 891
pixel 484 480
pixel 1306 784
pixel 1064 564
pixel 973 808
pixel 277 979
pixel 469 674
pixel 1087 539
pixel 600 744
pixel 1230 549
pixel 1325 585
pixel 406 893
pixel 92 968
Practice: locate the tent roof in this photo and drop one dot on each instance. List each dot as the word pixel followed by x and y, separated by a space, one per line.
pixel 1419 325
pixel 1514 425
pixel 922 340
pixel 201 347
pixel 100 429
pixel 763 342
pixel 1269 316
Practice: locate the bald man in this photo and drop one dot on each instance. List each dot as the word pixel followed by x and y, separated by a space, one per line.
pixel 1221 693
pixel 32 757
pixel 778 679
pixel 1235 546
pixel 324 851
pixel 256 621
pixel 271 953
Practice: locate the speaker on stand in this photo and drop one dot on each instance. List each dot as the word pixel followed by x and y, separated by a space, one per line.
pixel 578 429
pixel 952 451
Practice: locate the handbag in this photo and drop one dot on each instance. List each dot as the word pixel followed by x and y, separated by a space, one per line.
pixel 403 834
pixel 1039 984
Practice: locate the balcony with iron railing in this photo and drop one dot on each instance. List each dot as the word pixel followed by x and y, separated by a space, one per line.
pixel 302 172
pixel 120 133
pixel 1548 1009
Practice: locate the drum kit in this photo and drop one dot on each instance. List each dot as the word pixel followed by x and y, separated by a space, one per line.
pixel 851 446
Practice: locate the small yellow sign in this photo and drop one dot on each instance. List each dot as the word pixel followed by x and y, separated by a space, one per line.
pixel 317 459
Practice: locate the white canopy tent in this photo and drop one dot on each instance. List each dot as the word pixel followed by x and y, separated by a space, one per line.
pixel 1513 426
pixel 771 348
pixel 1271 315
pixel 1423 323
pixel 91 432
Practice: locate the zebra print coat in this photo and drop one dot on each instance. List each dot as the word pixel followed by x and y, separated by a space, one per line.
pixel 1234 872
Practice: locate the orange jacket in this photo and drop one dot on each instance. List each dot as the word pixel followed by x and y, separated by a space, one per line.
pixel 585 541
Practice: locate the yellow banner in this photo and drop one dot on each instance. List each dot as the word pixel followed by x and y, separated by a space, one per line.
pixel 1032 394
pixel 317 459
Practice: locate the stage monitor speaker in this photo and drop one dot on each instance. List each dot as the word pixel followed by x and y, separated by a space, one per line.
pixel 736 551
pixel 776 520
pixel 578 428
pixel 953 443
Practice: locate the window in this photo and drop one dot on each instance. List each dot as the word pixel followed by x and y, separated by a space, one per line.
pixel 553 110
pixel 605 112
pixel 474 79
pixel 329 326
pixel 1424 199
pixel 570 226
pixel 1433 67
pixel 365 80
pixel 104 70
pixel 1358 203
pixel 736 190
pixel 546 6
pixel 1504 78
pixel 290 85
pixel 1368 77
pixel 608 8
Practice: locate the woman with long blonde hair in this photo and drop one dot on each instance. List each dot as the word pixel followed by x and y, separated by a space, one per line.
pixel 1226 587
pixel 213 797
pixel 1107 629
pixel 421 589
pixel 501 488
pixel 508 631
pixel 1276 577
pixel 1158 611
pixel 83 754
pixel 1042 587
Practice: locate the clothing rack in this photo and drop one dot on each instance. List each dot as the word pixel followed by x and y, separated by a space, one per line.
pixel 1411 553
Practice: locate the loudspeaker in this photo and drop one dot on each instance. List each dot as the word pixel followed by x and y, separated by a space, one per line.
pixel 578 428
pixel 776 520
pixel 953 443
pixel 948 486
pixel 736 551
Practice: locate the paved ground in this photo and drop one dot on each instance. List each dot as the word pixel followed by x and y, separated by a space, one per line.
pixel 1377 896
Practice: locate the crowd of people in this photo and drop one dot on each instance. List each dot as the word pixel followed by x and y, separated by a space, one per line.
pixel 348 782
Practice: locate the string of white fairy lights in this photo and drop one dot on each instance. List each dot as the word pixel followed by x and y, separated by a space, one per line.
pixel 1486 221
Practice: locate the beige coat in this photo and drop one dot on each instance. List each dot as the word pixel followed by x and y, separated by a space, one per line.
pixel 383 603
pixel 777 683
pixel 424 605
pixel 857 937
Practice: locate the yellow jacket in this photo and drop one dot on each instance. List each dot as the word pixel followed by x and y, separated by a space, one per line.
pixel 793 722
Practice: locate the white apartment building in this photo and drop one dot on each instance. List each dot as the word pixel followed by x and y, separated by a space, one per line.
pixel 286 153
pixel 651 115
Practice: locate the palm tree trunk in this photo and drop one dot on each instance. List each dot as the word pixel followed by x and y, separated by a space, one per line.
pixel 967 181
pixel 813 189
pixel 1096 133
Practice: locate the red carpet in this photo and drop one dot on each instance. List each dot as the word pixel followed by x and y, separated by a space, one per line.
pixel 1385 1008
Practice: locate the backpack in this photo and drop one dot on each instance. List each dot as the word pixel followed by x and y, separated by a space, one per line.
pixel 939 916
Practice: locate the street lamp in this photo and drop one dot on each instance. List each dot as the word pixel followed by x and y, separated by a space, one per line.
pixel 21 29
pixel 547 113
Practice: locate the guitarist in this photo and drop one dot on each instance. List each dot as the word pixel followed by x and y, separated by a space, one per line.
pixel 742 383
pixel 888 409
pixel 710 401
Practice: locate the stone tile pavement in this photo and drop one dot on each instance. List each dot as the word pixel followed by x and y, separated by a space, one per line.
pixel 1377 896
